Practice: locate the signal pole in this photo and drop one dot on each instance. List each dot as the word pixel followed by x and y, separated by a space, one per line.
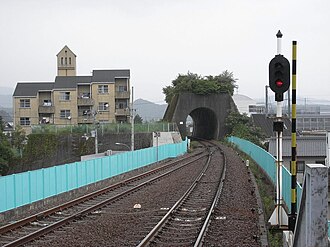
pixel 293 165
pixel 279 82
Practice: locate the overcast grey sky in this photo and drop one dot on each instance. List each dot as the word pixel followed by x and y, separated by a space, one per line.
pixel 157 40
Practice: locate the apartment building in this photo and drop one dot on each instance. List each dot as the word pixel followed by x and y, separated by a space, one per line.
pixel 101 97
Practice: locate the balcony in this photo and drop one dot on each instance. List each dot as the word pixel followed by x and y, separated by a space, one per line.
pixel 85 101
pixel 47 109
pixel 122 95
pixel 122 112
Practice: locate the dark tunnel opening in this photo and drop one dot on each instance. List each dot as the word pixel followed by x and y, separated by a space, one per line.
pixel 204 123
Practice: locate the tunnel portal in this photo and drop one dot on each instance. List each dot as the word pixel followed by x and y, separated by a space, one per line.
pixel 205 123
pixel 208 112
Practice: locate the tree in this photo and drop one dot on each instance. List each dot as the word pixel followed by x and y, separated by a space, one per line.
pixel 18 139
pixel 6 154
pixel 2 124
pixel 197 84
pixel 138 119
pixel 242 126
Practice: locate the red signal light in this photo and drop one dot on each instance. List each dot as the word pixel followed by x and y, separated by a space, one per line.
pixel 279 83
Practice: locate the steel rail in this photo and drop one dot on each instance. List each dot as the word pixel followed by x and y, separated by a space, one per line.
pixel 161 223
pixel 43 231
pixel 47 212
pixel 201 236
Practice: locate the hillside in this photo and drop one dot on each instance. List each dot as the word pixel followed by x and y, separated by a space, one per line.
pixel 149 111
pixel 6 114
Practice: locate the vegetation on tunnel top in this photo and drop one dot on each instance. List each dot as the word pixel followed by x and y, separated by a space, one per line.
pixel 203 85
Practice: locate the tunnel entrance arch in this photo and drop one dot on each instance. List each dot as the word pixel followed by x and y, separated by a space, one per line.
pixel 204 123
pixel 208 112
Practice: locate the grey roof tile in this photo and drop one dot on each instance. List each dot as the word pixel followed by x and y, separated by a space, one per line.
pixel 25 89
pixel 266 124
pixel 109 75
pixel 306 146
pixel 70 81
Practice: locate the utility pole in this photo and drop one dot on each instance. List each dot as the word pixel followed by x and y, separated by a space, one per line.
pixel 157 135
pixel 266 101
pixel 132 121
pixel 95 133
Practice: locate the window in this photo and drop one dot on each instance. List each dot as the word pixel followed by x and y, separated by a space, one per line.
pixel 103 89
pixel 70 60
pixel 122 88
pixel 24 103
pixel 25 121
pixel 61 60
pixel 64 95
pixel 103 106
pixel 66 61
pixel 65 114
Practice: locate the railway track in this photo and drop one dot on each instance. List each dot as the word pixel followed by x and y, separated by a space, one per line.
pixel 213 212
pixel 186 223
pixel 38 225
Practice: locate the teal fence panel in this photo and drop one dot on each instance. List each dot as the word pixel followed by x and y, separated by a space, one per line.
pixel 20 189
pixel 286 184
pixel 36 183
pixel 267 162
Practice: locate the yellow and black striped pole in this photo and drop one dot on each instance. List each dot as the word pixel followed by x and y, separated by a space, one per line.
pixel 293 167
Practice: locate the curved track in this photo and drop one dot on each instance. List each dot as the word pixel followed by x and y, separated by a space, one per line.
pixel 35 226
pixel 218 209
pixel 186 223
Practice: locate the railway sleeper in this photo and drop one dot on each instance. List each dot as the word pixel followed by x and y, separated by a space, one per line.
pixel 173 242
pixel 179 234
pixel 195 228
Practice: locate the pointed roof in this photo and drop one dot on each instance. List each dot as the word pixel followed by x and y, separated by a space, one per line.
pixel 66 48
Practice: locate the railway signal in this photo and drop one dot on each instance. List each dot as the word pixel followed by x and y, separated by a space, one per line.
pixel 279 82
pixel 279 76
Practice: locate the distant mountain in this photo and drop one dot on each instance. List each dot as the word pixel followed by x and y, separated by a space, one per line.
pixel 6 101
pixel 6 114
pixel 149 111
pixel 6 91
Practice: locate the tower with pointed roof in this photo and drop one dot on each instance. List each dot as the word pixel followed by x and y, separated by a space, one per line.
pixel 66 62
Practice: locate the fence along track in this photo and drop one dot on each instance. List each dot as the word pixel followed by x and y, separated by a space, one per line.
pixel 35 226
pixel 185 224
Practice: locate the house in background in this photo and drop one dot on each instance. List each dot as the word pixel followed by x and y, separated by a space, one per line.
pixel 102 97
pixel 8 128
pixel 310 150
pixel 266 122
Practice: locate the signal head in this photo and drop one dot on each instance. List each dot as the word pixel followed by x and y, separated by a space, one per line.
pixel 279 76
